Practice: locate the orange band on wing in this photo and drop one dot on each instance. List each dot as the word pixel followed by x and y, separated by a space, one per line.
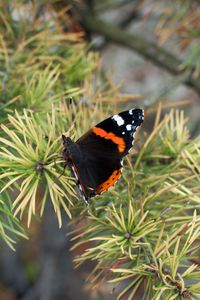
pixel 110 136
pixel 110 182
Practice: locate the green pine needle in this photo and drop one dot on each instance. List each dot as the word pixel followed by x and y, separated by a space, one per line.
pixel 28 153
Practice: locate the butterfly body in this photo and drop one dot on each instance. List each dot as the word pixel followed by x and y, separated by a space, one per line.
pixel 96 158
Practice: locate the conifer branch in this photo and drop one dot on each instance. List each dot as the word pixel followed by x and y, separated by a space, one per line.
pixel 150 50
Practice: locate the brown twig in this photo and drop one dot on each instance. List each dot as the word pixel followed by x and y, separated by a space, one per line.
pixel 150 50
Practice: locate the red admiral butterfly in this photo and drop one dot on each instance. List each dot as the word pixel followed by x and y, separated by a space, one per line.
pixel 96 158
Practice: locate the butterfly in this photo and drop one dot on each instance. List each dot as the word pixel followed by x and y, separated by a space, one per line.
pixel 96 158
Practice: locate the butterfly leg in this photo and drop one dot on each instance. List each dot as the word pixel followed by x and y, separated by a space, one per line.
pixel 63 172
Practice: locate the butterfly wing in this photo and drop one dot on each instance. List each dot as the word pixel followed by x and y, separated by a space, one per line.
pixel 101 165
pixel 102 150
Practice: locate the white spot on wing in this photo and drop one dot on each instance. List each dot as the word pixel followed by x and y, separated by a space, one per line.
pixel 128 127
pixel 142 114
pixel 118 119
pixel 130 111
pixel 123 132
pixel 133 138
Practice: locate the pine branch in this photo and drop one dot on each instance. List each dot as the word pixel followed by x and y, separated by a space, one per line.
pixel 143 234
pixel 146 235
pixel 10 227
pixel 147 49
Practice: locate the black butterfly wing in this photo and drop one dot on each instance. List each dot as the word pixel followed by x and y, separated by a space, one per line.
pixel 101 166
pixel 120 129
pixel 102 149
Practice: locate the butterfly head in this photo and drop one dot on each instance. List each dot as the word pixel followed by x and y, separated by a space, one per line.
pixel 66 140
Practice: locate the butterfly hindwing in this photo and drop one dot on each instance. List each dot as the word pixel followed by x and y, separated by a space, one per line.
pixel 96 174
